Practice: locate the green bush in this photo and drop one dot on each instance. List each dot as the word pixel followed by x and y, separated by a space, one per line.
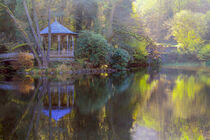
pixel 120 59
pixel 93 47
pixel 204 53
pixel 139 57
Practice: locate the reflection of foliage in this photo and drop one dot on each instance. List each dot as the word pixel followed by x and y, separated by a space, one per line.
pixel 26 84
pixel 178 112
pixel 185 88
pixel 92 94
pixel 191 134
pixel 121 81
pixel 185 95
pixel 144 86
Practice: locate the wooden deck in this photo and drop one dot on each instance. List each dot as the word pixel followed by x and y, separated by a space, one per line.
pixel 62 54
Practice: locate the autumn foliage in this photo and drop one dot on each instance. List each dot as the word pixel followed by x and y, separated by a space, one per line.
pixel 24 61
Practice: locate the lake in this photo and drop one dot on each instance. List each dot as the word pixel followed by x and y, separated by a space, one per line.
pixel 165 104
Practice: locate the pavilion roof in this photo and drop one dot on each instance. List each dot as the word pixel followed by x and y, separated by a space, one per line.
pixel 57 28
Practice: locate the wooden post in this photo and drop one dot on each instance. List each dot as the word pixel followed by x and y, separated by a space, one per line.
pixel 72 46
pixel 67 44
pixel 59 44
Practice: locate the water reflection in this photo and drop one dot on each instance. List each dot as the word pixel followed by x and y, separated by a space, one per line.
pixel 171 104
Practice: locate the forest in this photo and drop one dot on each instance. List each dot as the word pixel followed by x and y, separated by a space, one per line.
pixel 117 33
pixel 105 69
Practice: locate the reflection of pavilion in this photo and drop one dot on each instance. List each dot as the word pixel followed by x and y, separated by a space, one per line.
pixel 62 100
pixel 57 114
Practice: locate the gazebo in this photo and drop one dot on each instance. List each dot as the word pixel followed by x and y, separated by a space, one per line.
pixel 65 39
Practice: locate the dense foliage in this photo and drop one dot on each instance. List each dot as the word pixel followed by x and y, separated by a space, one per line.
pixel 120 59
pixel 179 23
pixel 188 28
pixel 24 61
pixel 112 21
pixel 126 24
pixel 204 53
pixel 93 47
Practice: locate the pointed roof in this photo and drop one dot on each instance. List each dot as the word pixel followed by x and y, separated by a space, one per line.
pixel 57 28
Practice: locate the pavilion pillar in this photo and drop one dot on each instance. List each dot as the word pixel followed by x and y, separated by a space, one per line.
pixel 72 46
pixel 42 41
pixel 59 44
pixel 67 44
pixel 42 38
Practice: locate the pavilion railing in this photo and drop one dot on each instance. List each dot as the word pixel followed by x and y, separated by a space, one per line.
pixel 62 54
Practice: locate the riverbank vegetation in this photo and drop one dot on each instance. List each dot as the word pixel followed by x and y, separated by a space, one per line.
pixel 106 31
pixel 117 34
pixel 181 26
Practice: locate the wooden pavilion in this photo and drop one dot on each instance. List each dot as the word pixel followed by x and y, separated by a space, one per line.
pixel 65 40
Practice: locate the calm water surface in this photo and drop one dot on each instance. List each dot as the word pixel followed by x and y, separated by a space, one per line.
pixel 166 105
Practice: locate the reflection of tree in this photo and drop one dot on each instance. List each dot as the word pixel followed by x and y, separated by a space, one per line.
pixel 121 81
pixel 25 84
pixel 187 93
pixel 177 107
pixel 15 115
pixel 92 93
pixel 121 107
pixel 109 107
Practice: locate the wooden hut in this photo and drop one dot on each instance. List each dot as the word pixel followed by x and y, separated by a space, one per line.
pixel 65 40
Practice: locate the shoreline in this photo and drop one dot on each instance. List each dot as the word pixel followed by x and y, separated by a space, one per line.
pixel 72 72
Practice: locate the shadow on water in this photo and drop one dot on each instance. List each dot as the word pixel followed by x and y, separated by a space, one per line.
pixel 121 106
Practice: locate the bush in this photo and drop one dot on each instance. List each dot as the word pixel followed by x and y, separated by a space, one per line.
pixel 204 53
pixel 63 68
pixel 139 58
pixel 120 59
pixel 93 47
pixel 24 61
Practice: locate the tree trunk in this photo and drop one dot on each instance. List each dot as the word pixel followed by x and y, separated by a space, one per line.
pixel 25 35
pixel 111 20
pixel 37 26
pixel 37 39
pixel 49 32
pixel 31 25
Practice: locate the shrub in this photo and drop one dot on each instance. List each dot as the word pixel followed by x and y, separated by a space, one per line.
pixel 63 68
pixel 93 47
pixel 24 61
pixel 120 59
pixel 204 52
pixel 139 58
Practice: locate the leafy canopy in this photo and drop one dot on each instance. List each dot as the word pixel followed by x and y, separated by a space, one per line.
pixel 93 47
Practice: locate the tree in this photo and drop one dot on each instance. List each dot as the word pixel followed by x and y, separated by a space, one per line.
pixel 188 28
pixel 6 24
pixel 93 47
